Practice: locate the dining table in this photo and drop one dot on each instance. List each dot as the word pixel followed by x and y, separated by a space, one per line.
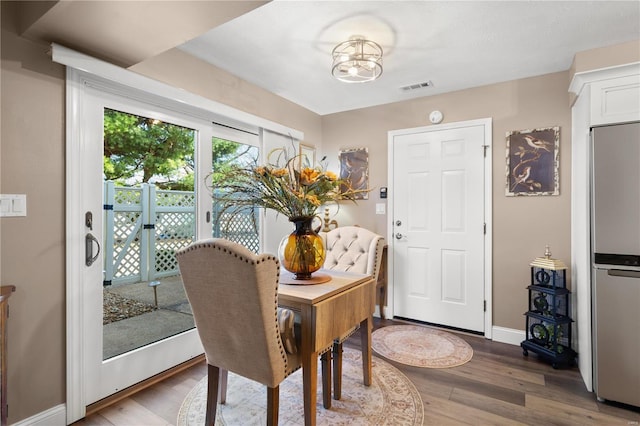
pixel 328 310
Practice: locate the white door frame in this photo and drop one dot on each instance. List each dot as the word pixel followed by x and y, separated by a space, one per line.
pixel 85 71
pixel 488 282
pixel 102 377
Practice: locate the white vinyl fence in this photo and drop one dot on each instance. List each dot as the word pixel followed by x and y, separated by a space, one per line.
pixel 145 226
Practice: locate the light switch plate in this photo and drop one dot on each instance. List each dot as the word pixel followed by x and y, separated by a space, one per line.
pixel 381 208
pixel 13 205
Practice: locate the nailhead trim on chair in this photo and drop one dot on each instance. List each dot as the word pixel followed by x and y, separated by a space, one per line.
pixel 262 258
pixel 280 344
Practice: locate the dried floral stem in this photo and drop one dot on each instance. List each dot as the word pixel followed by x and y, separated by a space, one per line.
pixel 281 186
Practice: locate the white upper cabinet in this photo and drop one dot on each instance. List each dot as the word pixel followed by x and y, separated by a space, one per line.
pixel 615 100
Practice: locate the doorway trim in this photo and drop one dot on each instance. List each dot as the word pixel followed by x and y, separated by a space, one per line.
pixel 85 71
pixel 487 123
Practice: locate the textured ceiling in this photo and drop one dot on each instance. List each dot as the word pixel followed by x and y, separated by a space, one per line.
pixel 285 46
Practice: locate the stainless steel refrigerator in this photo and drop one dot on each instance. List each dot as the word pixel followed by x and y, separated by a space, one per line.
pixel 616 262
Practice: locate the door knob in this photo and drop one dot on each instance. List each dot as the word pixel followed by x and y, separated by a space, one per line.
pixel 399 236
pixel 398 223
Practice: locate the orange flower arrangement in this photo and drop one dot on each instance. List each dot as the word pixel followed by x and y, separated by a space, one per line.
pixel 283 186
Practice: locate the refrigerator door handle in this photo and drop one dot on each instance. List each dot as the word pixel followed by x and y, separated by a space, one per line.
pixel 623 273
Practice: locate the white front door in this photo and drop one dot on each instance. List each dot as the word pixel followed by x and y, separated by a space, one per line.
pixel 438 225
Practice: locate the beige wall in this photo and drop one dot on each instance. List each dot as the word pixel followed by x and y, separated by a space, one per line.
pixel 521 225
pixel 32 256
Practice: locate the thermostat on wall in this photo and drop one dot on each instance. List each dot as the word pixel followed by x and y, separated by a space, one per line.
pixel 436 117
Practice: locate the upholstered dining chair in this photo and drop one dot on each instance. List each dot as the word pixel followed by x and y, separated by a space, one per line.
pixel 234 298
pixel 350 249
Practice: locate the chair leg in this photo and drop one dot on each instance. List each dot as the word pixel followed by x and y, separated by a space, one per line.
pixel 325 362
pixel 222 386
pixel 366 327
pixel 337 370
pixel 213 376
pixel 273 405
pixel 381 304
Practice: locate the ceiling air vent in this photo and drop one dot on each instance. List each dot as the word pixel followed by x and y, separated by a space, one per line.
pixel 417 86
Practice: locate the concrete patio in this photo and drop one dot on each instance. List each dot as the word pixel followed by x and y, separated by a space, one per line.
pixel 172 316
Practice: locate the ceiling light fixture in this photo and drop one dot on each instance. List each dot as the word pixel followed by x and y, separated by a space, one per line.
pixel 357 60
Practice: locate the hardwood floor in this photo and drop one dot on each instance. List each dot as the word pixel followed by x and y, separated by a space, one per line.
pixel 499 386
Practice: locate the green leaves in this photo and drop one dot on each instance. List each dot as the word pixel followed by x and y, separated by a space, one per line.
pixel 138 149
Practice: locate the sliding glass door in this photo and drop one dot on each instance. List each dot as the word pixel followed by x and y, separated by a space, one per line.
pixel 143 198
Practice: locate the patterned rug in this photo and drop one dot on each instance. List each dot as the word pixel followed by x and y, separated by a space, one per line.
pixel 420 346
pixel 390 400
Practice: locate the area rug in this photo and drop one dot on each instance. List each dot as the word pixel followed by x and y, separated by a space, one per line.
pixel 390 400
pixel 420 346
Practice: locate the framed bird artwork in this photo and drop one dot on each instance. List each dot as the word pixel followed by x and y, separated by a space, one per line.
pixel 533 162
pixel 354 167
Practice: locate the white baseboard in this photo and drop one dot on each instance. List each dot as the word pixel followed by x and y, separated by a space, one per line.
pixel 55 416
pixel 508 335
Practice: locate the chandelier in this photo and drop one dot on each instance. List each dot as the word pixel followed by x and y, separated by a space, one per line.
pixel 357 60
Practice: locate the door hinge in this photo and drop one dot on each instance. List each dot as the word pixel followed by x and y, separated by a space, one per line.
pixel 107 207
pixel 485 306
pixel 485 228
pixel 149 226
pixel 484 147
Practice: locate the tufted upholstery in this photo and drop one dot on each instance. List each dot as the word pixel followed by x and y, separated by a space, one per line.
pixel 353 249
pixel 234 298
pixel 350 249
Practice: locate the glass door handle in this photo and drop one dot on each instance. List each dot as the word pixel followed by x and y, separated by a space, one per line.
pixel 89 239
